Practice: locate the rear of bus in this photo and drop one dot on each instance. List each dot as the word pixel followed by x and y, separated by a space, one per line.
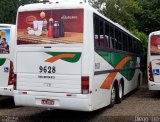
pixel 154 61
pixel 7 48
pixel 49 56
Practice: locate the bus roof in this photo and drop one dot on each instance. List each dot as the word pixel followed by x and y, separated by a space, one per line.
pixel 6 25
pixel 57 4
pixel 155 33
pixel 68 4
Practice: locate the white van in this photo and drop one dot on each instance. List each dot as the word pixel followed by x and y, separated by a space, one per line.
pixel 7 48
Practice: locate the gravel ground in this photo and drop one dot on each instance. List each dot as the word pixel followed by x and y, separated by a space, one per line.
pixel 138 106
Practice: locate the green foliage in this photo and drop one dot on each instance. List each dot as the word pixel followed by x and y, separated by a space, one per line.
pixel 149 19
pixel 143 37
pixel 23 2
pixel 8 9
pixel 120 11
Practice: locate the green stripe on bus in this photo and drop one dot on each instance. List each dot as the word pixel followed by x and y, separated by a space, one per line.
pixel 2 61
pixel 114 58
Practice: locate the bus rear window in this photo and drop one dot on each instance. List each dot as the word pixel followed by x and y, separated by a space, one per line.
pixel 50 27
pixel 155 45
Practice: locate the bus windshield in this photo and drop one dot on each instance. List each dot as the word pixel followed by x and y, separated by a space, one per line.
pixel 63 26
pixel 155 45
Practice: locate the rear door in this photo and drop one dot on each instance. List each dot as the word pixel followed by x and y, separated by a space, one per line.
pixel 155 56
pixel 4 72
pixel 49 50
pixel 49 71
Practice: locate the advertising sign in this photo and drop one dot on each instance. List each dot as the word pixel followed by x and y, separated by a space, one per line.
pixel 155 45
pixel 4 40
pixel 50 27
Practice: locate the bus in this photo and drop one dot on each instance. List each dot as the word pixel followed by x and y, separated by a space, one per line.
pixel 69 56
pixel 7 48
pixel 153 61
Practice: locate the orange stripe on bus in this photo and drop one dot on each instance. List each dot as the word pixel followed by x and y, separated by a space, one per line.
pixel 108 81
pixel 55 58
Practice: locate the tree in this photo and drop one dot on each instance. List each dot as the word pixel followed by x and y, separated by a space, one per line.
pixel 149 19
pixel 23 2
pixel 8 9
pixel 120 11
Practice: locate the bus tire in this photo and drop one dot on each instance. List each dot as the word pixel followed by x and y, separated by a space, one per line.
pixel 120 93
pixel 139 81
pixel 113 96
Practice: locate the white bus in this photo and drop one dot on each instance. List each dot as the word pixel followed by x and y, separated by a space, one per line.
pixel 7 49
pixel 69 56
pixel 154 61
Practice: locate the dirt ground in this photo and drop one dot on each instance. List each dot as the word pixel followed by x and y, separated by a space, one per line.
pixel 138 106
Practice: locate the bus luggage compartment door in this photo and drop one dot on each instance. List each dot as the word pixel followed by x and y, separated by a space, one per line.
pixel 155 64
pixel 4 71
pixel 49 71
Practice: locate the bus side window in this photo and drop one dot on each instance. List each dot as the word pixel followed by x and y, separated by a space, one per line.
pixel 130 44
pixel 111 37
pixel 120 40
pixel 116 38
pixel 101 34
pixel 137 50
pixel 96 32
pixel 137 46
pixel 134 45
pixel 125 42
pixel 107 35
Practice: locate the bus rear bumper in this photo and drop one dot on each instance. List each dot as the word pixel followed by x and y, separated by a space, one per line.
pixel 154 86
pixel 77 102
pixel 7 91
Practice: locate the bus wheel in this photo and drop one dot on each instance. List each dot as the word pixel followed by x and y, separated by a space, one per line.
pixel 113 96
pixel 120 93
pixel 139 81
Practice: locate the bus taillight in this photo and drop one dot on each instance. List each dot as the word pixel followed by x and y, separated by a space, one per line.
pixel 150 73
pixel 15 81
pixel 11 79
pixel 85 84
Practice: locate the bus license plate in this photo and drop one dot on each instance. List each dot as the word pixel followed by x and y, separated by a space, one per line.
pixel 47 102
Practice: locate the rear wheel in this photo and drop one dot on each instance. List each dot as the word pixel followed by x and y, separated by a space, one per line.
pixel 113 96
pixel 139 81
pixel 120 93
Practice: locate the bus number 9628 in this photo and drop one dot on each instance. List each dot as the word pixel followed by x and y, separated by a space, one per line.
pixel 47 69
